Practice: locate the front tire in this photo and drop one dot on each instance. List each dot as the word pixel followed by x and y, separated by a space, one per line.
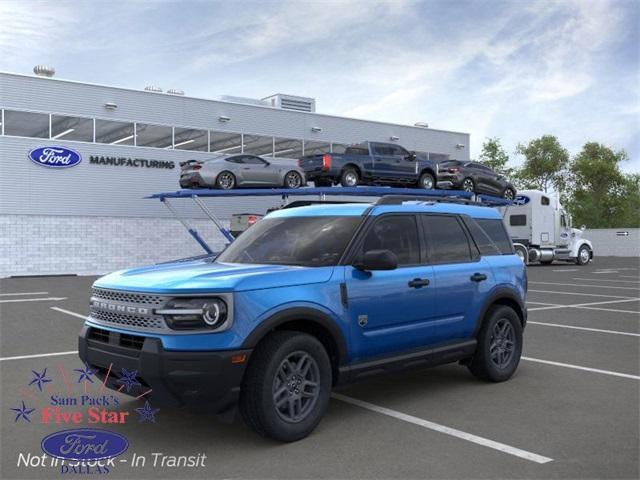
pixel 427 181
pixel 226 180
pixel 293 180
pixel 584 255
pixel 287 385
pixel 499 345
pixel 508 194
pixel 468 185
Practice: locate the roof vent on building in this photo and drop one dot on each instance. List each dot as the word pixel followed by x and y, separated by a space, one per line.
pixel 175 91
pixel 421 124
pixel 44 71
pixel 153 88
pixel 291 102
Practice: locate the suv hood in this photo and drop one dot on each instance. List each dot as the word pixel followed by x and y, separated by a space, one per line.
pixel 204 277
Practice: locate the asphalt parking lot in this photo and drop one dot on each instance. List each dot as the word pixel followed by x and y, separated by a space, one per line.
pixel 571 410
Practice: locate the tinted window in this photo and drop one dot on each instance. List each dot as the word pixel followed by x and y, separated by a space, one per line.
pixel 446 240
pixel 26 124
pixel 397 233
pixel 544 200
pixel 494 228
pixel 518 220
pixel 253 160
pixel 356 151
pixel 71 128
pixel 382 150
pixel 399 151
pixel 235 159
pixel 304 241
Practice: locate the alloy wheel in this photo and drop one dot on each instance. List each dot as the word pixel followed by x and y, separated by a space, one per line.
pixel 351 179
pixel 293 180
pixel 427 182
pixel 467 185
pixel 508 194
pixel 296 387
pixel 226 181
pixel 502 344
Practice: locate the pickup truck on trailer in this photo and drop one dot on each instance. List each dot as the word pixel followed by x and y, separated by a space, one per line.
pixel 308 298
pixel 371 163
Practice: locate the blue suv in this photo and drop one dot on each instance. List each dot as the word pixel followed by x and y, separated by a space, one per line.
pixel 309 298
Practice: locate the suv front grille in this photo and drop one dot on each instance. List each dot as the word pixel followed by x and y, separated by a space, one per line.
pixel 127 297
pixel 136 321
pixel 99 335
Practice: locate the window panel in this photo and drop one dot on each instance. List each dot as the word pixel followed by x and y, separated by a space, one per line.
pixel 287 148
pixel 190 139
pixel 157 136
pixel 225 142
pixel 314 148
pixel 113 132
pixel 438 157
pixel 397 233
pixel 71 128
pixel 258 145
pixel 446 240
pixel 338 147
pixel 26 124
pixel 518 220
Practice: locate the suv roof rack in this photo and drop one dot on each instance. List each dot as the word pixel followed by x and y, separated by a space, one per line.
pixel 398 199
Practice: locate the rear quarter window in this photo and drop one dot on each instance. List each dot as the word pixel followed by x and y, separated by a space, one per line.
pixel 518 220
pixel 490 236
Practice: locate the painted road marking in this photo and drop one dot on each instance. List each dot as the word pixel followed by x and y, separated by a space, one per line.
pixel 579 367
pixel 582 294
pixel 55 354
pixel 23 293
pixel 610 310
pixel 48 299
pixel 628 276
pixel 485 442
pixel 587 286
pixel 567 270
pixel 598 330
pixel 604 280
pixel 73 314
pixel 584 305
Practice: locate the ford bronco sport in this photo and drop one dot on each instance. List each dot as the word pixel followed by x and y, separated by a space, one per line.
pixel 309 298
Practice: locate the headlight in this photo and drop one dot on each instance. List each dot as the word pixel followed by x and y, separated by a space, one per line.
pixel 195 313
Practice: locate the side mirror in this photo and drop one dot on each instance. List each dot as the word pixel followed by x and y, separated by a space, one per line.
pixel 377 260
pixel 412 156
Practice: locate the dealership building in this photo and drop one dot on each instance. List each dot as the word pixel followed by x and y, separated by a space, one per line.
pixel 92 217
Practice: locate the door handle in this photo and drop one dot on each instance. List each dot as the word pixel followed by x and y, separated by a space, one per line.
pixel 246 168
pixel 478 277
pixel 418 282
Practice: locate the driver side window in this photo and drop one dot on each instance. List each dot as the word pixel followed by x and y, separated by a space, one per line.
pixel 397 233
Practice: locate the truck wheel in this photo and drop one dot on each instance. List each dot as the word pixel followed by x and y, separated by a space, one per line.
pixel 522 252
pixel 468 185
pixel 427 181
pixel 499 345
pixel 286 388
pixel 226 180
pixel 349 178
pixel 584 255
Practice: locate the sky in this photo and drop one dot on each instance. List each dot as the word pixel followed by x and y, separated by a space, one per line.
pixel 514 70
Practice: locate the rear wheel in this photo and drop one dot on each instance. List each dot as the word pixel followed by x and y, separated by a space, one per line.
pixel 226 180
pixel 584 255
pixel 293 179
pixel 499 345
pixel 468 185
pixel 427 181
pixel 349 178
pixel 509 194
pixel 285 391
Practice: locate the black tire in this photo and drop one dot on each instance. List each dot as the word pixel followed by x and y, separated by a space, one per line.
pixel 349 177
pixel 257 402
pixel 509 194
pixel 293 180
pixel 427 181
pixel 546 262
pixel 584 255
pixel 225 180
pixel 483 365
pixel 468 185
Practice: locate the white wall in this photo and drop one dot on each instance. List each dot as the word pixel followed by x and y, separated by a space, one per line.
pixel 606 242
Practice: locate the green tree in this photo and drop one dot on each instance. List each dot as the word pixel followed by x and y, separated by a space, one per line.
pixel 600 195
pixel 545 164
pixel 494 156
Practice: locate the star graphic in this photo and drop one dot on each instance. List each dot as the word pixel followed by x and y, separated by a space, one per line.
pixel 128 379
pixel 85 373
pixel 147 413
pixel 23 412
pixel 39 379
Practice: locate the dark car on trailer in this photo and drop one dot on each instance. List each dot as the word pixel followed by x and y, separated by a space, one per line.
pixel 474 177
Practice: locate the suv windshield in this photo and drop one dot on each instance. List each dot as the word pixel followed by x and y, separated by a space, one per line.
pixel 303 241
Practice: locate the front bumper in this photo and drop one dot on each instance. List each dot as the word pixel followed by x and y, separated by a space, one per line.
pixel 208 379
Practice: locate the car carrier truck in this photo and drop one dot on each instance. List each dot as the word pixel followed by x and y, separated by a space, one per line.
pixel 541 230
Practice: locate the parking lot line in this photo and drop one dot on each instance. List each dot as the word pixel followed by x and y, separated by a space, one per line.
pixel 587 286
pixel 567 270
pixel 22 293
pixel 580 367
pixel 628 276
pixel 73 314
pixel 605 280
pixel 572 327
pixel 485 442
pixel 47 299
pixel 582 294
pixel 610 310
pixel 586 305
pixel 23 357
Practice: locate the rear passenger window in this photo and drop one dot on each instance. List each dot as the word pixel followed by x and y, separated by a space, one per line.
pixel 518 220
pixel 446 240
pixel 497 234
pixel 398 233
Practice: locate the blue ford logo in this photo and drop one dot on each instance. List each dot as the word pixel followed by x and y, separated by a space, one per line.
pixel 84 444
pixel 55 157
pixel 521 200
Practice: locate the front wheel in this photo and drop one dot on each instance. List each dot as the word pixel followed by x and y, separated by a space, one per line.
pixel 509 194
pixel 286 388
pixel 293 179
pixel 468 185
pixel 584 255
pixel 499 345
pixel 427 182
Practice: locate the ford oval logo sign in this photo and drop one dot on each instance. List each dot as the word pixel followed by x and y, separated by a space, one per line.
pixel 84 444
pixel 55 157
pixel 521 200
